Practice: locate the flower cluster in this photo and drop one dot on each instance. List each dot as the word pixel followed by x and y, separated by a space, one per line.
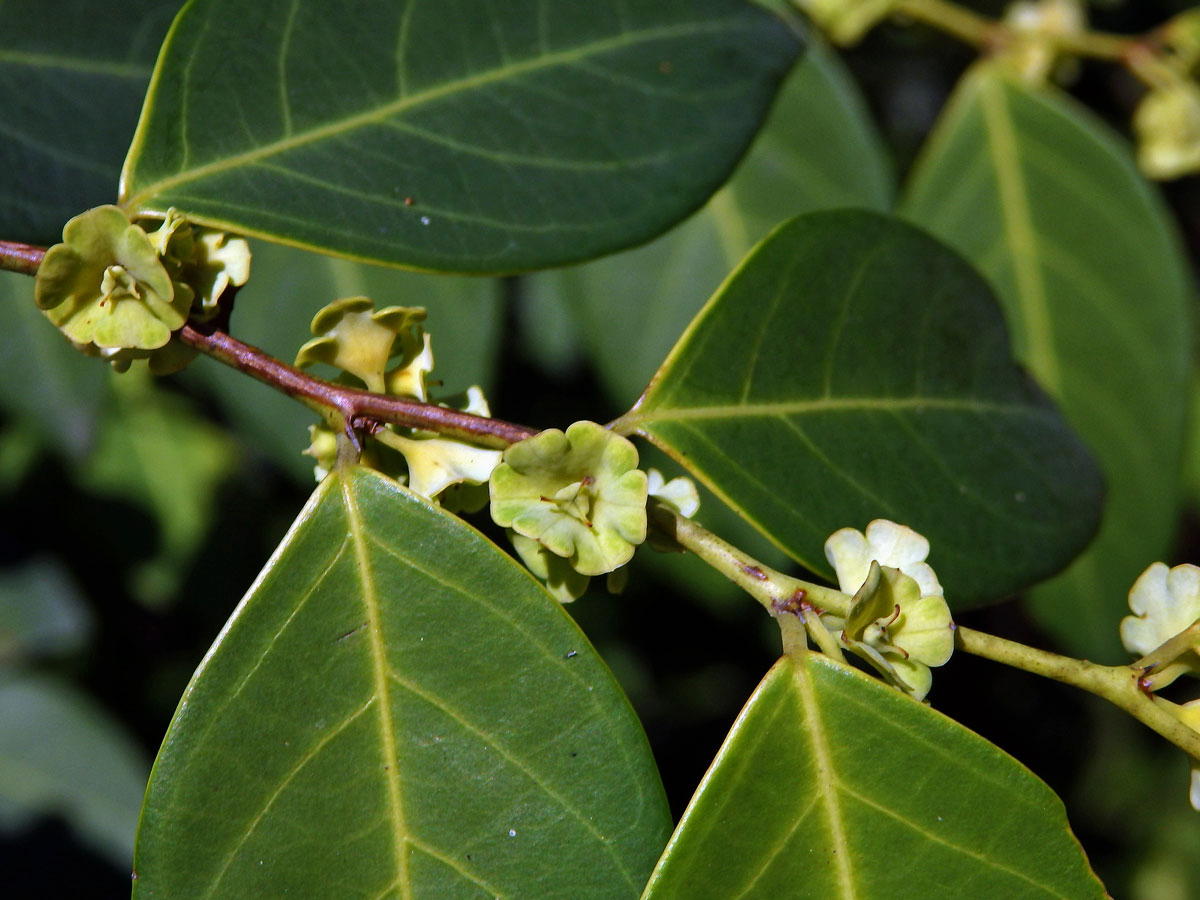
pixel 388 351
pixel 574 503
pixel 899 621
pixel 1164 631
pixel 118 292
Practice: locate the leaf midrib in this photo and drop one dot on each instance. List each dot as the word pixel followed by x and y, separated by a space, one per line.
pixel 1020 233
pixel 82 66
pixel 635 418
pixel 133 202
pixel 379 673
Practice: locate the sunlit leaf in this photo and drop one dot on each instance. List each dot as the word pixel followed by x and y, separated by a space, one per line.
pixel 286 289
pixel 1082 253
pixel 396 709
pixel 61 754
pixel 73 74
pixel 852 369
pixel 832 785
pixel 461 135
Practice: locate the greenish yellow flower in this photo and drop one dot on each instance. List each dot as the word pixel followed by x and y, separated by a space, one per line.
pixel 104 285
pixel 846 21
pixel 351 335
pixel 1167 125
pixel 1037 30
pixel 578 493
pixel 1189 714
pixel 563 582
pixel 899 620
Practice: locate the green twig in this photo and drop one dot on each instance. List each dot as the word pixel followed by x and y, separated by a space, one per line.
pixel 1120 685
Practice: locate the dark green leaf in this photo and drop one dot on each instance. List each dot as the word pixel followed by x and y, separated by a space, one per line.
pixel 286 289
pixel 41 612
pixel 457 136
pixel 60 754
pixel 1086 263
pixel 398 710
pixel 73 74
pixel 153 449
pixel 818 151
pixel 853 368
pixel 45 382
pixel 833 786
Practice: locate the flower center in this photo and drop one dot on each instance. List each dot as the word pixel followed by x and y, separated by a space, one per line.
pixel 578 499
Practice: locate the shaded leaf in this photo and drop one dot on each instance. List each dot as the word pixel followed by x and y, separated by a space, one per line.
pixel 1090 273
pixel 852 369
pixel 60 754
pixel 819 150
pixel 455 136
pixel 44 381
pixel 41 611
pixel 154 449
pixel 396 709
pixel 73 74
pixel 286 289
pixel 832 785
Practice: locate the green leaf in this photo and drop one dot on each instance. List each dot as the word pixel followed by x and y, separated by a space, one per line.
pixel 833 786
pixel 74 73
pixel 852 369
pixel 1090 273
pixel 44 381
pixel 41 611
pixel 397 709
pixel 154 449
pixel 453 136
pixel 286 289
pixel 60 754
pixel 819 150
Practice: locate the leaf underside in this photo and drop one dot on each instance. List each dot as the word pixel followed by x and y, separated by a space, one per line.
pixel 398 710
pixel 834 787
pixel 456 135
pixel 853 368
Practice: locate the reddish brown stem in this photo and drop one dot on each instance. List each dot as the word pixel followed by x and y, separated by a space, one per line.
pixel 360 410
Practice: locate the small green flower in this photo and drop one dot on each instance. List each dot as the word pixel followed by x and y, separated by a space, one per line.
pixel 899 620
pixel 579 493
pixel 562 581
pixel 1038 29
pixel 846 21
pixel 1167 125
pixel 1164 602
pixel 1189 714
pixel 354 337
pixel 105 285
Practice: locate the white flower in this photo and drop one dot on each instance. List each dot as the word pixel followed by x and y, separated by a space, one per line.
pixel 1165 602
pixel 851 553
pixel 899 621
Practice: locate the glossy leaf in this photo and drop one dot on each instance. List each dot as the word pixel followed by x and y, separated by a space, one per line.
pixel 396 709
pixel 460 135
pixel 287 287
pixel 1082 253
pixel 819 150
pixel 832 785
pixel 73 74
pixel 852 369
pixel 61 754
